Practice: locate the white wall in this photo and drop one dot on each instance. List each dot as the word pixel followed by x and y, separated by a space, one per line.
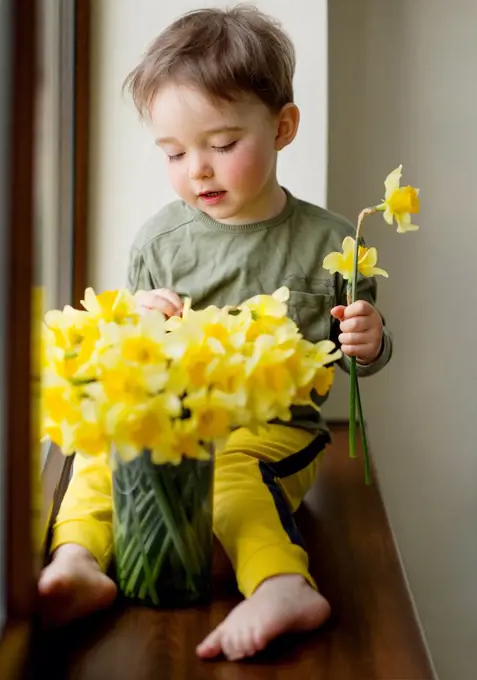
pixel 403 89
pixel 128 178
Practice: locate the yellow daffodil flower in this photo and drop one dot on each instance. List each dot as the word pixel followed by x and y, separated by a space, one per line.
pixel 185 441
pixel 324 380
pixel 115 380
pixel 116 306
pixel 52 431
pixel 343 263
pixel 209 413
pixel 269 305
pixel 91 439
pixel 123 383
pixel 60 404
pixel 68 329
pixel 399 202
pixel 323 352
pixel 228 374
pixel 141 350
pixel 146 426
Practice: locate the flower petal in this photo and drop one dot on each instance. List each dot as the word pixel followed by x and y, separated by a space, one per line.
pixel 348 245
pixel 388 215
pixel 333 262
pixel 282 294
pixel 404 223
pixel 391 183
pixel 380 272
pixel 369 258
pixel 90 303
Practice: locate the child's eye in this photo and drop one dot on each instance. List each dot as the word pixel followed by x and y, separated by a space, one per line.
pixel 224 149
pixel 175 157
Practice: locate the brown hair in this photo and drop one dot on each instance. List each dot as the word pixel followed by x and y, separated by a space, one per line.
pixel 222 52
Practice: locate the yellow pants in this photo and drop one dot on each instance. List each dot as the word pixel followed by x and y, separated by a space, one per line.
pixel 259 484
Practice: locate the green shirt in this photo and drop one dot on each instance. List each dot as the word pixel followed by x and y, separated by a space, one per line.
pixel 212 263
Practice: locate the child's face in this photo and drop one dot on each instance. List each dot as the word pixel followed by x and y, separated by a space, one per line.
pixel 221 157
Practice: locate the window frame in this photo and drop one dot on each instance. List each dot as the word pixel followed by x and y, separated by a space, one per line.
pixel 17 271
pixel 20 273
pixel 73 181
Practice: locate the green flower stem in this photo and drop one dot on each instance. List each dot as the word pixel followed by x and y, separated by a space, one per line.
pixel 137 524
pixel 353 382
pixel 353 378
pixel 364 440
pixel 162 530
pixel 192 546
pixel 150 514
pixel 354 396
pixel 158 565
pixel 172 528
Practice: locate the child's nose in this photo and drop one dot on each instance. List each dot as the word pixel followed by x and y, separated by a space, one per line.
pixel 199 168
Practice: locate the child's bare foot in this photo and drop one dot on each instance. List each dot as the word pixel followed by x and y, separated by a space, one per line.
pixel 73 585
pixel 279 605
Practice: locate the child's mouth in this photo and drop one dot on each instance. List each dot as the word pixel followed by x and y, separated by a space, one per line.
pixel 212 197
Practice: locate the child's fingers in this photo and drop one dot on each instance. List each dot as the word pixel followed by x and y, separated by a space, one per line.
pixel 353 339
pixel 165 301
pixel 169 295
pixel 357 324
pixel 358 308
pixel 338 312
pixel 159 305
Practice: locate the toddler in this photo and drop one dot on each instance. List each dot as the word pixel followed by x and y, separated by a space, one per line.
pixel 216 88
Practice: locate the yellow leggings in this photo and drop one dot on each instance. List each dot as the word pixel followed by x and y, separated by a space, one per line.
pixel 259 483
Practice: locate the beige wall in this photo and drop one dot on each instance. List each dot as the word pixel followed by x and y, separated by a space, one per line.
pixel 128 179
pixel 403 89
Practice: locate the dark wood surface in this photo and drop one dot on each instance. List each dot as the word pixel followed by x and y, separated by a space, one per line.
pixel 372 634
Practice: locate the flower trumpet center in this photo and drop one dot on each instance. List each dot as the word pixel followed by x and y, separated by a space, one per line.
pixel 404 200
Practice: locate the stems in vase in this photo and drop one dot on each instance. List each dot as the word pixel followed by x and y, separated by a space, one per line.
pixel 163 530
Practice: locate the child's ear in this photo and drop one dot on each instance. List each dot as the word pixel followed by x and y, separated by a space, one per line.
pixel 287 125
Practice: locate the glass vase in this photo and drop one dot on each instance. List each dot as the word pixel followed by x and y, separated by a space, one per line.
pixel 162 522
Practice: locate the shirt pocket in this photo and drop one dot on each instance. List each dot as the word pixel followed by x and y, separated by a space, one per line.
pixel 311 311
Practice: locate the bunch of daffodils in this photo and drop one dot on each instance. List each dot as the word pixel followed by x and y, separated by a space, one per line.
pixel 398 205
pixel 116 379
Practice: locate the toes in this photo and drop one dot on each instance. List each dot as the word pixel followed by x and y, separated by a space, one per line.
pixel 249 645
pixel 229 646
pixel 243 643
pixel 260 640
pixel 239 643
pixel 212 645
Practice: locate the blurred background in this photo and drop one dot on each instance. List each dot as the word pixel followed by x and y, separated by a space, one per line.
pixel 378 84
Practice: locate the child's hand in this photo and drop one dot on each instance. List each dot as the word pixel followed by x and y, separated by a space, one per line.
pixel 165 301
pixel 361 331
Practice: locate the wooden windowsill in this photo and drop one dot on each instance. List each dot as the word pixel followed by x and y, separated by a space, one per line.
pixel 372 635
pixel 15 640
